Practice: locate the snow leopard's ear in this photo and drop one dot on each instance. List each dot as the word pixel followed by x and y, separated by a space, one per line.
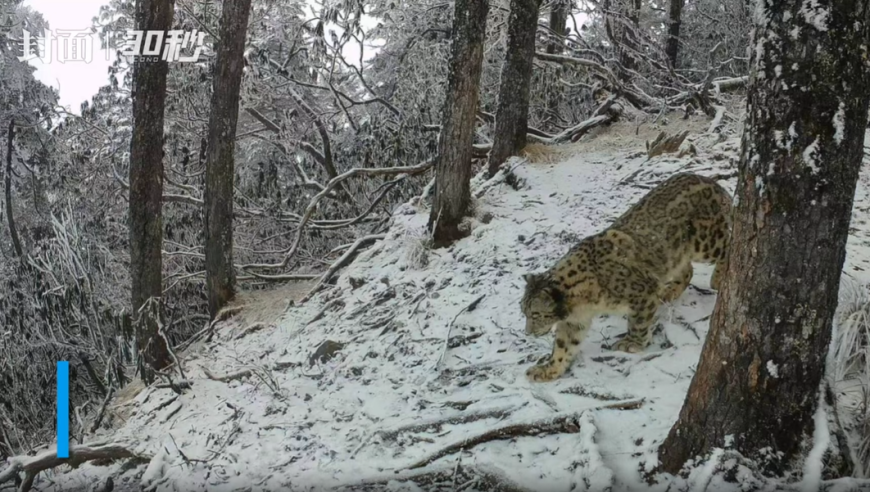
pixel 533 280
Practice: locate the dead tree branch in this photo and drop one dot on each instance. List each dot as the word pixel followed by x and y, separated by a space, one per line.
pixel 481 476
pixel 435 425
pixel 559 424
pixel 341 262
pixel 606 113
pixel 33 465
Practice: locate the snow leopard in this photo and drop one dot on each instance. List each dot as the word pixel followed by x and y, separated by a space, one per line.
pixel 642 260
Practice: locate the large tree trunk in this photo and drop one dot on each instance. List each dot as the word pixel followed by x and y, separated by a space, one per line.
pixel 220 173
pixel 512 115
pixel 672 45
pixel 146 192
pixel 453 168
pixel 764 357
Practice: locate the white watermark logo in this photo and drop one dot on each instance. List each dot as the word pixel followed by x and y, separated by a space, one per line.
pixel 67 45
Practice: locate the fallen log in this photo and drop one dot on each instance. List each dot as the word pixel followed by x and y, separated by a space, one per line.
pixel 31 466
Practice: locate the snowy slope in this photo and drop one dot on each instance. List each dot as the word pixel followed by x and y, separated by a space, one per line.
pixel 361 416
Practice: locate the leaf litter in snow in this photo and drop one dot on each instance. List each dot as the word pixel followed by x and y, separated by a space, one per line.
pixel 272 417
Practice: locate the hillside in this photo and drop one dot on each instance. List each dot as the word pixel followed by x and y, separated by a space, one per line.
pixel 423 349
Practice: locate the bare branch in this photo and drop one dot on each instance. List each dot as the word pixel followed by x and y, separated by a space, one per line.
pixel 167 197
pixel 342 261
pixel 262 119
pixel 333 183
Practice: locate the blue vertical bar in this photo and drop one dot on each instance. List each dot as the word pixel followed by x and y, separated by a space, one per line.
pixel 63 409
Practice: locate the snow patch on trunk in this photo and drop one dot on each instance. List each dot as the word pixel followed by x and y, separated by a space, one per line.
pixel 813 466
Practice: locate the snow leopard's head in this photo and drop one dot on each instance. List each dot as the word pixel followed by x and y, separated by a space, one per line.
pixel 543 304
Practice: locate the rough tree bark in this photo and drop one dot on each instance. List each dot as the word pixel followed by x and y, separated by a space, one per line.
pixel 13 232
pixel 453 167
pixel 760 369
pixel 220 172
pixel 672 45
pixel 512 115
pixel 146 191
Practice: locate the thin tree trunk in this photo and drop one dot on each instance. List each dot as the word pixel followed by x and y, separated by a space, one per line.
pixel 13 232
pixel 146 191
pixel 220 173
pixel 630 41
pixel 558 25
pixel 622 32
pixel 453 168
pixel 512 115
pixel 759 376
pixel 672 45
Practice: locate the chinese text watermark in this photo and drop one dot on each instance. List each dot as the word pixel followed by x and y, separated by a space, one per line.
pixel 69 45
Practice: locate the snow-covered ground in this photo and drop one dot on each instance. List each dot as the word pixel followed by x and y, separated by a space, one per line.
pixel 398 390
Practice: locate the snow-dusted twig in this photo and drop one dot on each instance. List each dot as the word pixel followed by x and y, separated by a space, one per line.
pixel 469 307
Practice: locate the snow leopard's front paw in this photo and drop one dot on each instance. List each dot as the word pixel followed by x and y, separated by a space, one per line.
pixel 543 373
pixel 628 345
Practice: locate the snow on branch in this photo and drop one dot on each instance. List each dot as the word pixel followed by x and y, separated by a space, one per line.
pixel 33 465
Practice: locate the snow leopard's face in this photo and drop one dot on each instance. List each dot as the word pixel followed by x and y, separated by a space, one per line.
pixel 542 304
